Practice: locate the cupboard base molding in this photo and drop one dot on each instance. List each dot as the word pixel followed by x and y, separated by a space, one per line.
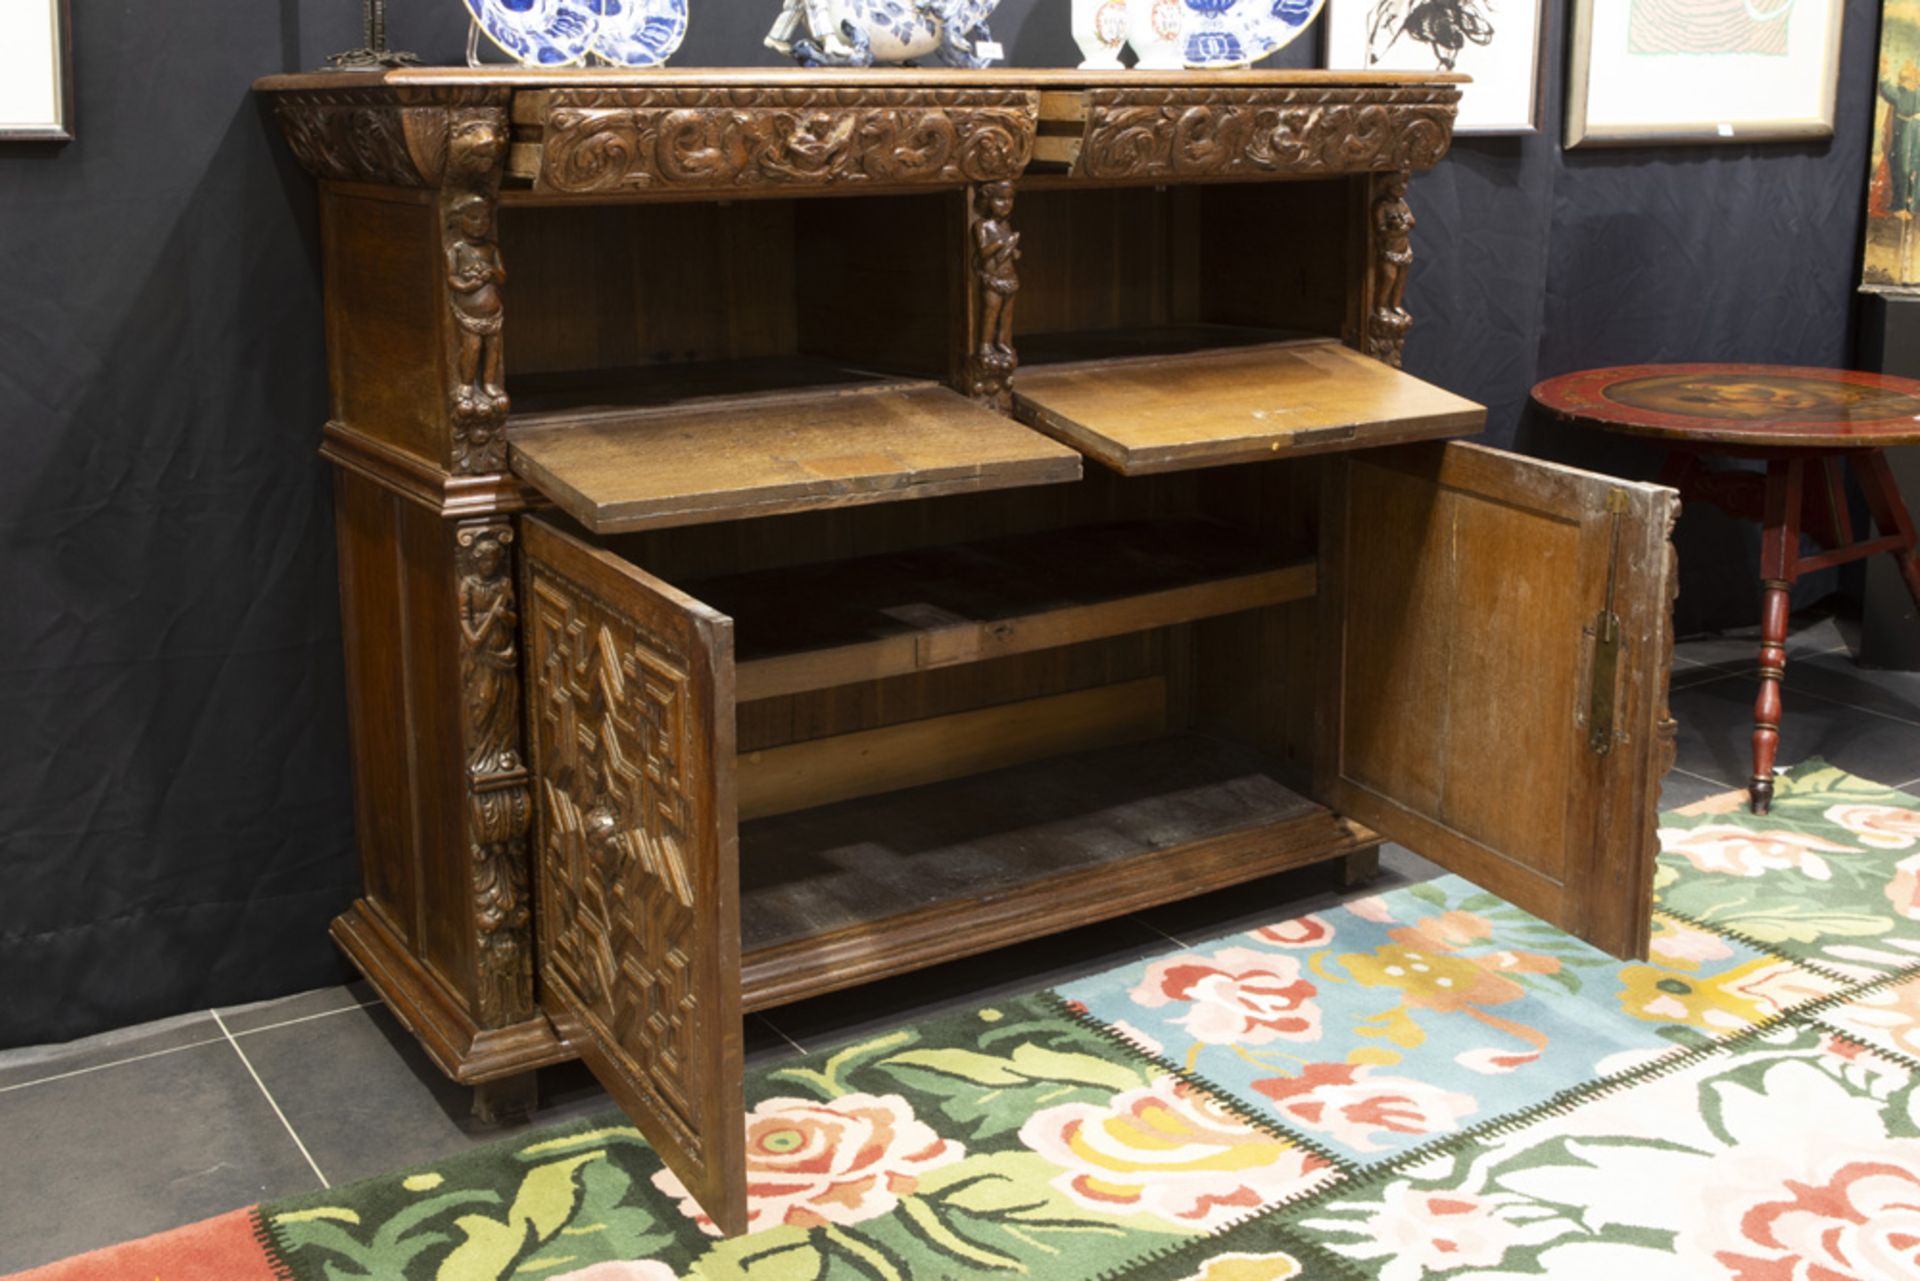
pixel 469 1054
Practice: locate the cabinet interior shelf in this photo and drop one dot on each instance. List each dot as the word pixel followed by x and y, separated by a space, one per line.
pixel 1234 404
pixel 840 622
pixel 737 439
pixel 847 892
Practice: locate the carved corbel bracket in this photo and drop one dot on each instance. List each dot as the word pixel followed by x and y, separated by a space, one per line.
pixel 498 800
pixel 719 140
pixel 389 135
pixel 1145 133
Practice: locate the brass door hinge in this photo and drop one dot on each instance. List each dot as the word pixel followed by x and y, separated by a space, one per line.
pixel 1605 630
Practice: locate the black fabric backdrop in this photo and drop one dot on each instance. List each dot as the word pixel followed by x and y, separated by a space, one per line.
pixel 175 812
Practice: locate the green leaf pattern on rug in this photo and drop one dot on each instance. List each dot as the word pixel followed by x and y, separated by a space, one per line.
pixel 1830 877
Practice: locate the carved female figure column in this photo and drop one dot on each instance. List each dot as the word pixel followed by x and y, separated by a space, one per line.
pixel 1388 321
pixel 996 251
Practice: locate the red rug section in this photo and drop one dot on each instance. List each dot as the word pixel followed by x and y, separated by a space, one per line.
pixel 224 1248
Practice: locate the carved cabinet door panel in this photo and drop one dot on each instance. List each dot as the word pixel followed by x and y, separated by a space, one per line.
pixel 1496 637
pixel 631 723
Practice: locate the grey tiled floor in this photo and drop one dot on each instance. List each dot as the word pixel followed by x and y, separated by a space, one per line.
pixel 154 1126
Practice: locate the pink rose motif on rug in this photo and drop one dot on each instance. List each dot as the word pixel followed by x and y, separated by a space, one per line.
pixel 1732 850
pixel 1169 1149
pixel 1903 891
pixel 1353 1105
pixel 622 1270
pixel 1860 1218
pixel 1301 931
pixel 1236 996
pixel 811 1164
pixel 1884 827
pixel 1886 1017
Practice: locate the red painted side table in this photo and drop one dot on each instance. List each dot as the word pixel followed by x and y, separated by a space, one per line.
pixel 1805 424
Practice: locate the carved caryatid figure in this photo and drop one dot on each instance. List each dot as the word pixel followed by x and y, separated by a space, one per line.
pixel 996 253
pixel 1393 260
pixel 489 622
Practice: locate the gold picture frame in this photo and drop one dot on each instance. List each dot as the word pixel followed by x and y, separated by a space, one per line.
pixel 1679 71
pixel 36 72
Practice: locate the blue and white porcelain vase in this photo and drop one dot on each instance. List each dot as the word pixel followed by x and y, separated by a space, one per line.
pixel 863 33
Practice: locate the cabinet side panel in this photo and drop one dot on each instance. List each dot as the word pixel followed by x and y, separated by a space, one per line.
pixel 444 924
pixel 372 611
pixel 384 298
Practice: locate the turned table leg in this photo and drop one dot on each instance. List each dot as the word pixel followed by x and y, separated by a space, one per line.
pixel 1779 550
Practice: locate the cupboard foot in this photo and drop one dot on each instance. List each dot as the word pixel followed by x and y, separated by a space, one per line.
pixel 507 1100
pixel 1360 867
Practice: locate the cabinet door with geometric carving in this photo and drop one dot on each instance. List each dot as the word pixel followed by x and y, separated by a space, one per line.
pixel 1496 634
pixel 631 723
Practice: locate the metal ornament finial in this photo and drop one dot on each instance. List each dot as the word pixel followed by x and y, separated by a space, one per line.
pixel 375 56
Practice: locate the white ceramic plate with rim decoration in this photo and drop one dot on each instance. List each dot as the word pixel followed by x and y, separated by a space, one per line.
pixel 561 33
pixel 1234 33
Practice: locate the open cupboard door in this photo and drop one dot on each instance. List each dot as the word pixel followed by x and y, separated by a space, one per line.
pixel 1497 632
pixel 631 722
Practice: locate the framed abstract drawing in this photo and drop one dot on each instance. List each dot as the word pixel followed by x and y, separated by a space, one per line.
pixel 1497 42
pixel 1893 179
pixel 1702 70
pixel 36 71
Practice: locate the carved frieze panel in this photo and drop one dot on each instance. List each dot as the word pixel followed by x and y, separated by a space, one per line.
pixel 697 140
pixel 621 930
pixel 1207 132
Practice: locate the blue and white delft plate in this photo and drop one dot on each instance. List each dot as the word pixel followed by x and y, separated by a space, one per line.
pixel 639 33
pixel 538 33
pixel 1233 33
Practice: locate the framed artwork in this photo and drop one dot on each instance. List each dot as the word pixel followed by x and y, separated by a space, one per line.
pixel 36 71
pixel 1497 42
pixel 1702 70
pixel 1893 180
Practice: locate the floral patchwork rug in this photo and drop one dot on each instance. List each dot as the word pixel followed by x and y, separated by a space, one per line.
pixel 1425 1083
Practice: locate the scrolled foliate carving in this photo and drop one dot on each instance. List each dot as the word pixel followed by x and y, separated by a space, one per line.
pixel 498 803
pixel 394 136
pixel 598 140
pixel 1204 132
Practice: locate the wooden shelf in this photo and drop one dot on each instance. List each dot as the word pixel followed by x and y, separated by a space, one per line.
pixel 551 399
pixel 839 622
pixel 848 892
pixel 1145 340
pixel 707 459
pixel 1237 405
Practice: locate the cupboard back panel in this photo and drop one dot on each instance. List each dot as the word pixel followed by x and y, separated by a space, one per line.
pixel 1252 254
pixel 624 286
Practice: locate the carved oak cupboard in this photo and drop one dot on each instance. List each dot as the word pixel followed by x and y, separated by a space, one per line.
pixel 799 527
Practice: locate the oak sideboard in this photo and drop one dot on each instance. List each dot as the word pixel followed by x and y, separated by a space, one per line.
pixel 799 527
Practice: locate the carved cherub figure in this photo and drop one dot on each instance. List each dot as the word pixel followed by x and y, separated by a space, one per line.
pixel 996 248
pixel 1393 228
pixel 474 277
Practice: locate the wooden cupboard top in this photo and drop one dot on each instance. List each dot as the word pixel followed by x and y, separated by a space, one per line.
pixel 1236 405
pixel 695 133
pixel 686 465
pixel 505 77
